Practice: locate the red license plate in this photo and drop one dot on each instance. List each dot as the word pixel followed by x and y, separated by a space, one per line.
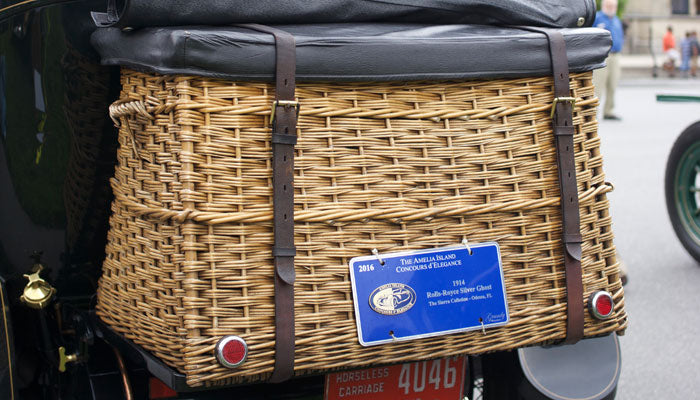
pixel 441 379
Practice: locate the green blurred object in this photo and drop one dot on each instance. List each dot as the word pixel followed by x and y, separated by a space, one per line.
pixel 621 4
pixel 675 98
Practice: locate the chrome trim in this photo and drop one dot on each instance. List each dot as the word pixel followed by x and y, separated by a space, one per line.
pixel 219 351
pixel 593 299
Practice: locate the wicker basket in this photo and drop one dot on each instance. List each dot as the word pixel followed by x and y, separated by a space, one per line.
pixel 392 166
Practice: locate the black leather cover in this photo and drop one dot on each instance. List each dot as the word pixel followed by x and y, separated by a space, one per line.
pixel 351 52
pixel 548 13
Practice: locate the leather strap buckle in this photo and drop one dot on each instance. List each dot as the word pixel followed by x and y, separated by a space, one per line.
pixel 571 100
pixel 283 103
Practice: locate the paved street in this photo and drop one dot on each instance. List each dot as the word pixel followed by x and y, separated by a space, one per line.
pixel 661 350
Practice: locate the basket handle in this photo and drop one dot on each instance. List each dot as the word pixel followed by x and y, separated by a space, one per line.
pixel 121 110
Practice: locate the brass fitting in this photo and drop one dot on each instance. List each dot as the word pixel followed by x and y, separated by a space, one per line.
pixel 37 293
pixel 64 359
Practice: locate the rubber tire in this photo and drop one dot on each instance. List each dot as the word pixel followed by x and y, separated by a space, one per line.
pixel 687 138
pixel 502 375
pixel 504 379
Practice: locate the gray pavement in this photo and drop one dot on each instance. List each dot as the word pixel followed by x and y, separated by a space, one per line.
pixel 661 350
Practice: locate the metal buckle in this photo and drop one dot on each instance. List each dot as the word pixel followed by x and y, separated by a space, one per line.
pixel 571 100
pixel 285 104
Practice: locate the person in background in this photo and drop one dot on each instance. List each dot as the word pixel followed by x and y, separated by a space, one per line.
pixel 605 79
pixel 694 51
pixel 672 56
pixel 686 50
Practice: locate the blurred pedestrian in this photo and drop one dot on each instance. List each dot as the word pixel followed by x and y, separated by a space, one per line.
pixel 686 50
pixel 694 51
pixel 606 78
pixel 672 55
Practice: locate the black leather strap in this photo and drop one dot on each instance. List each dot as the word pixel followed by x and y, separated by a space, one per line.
pixel 108 18
pixel 564 136
pixel 283 140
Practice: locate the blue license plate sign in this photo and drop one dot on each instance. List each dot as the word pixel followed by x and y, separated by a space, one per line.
pixel 416 294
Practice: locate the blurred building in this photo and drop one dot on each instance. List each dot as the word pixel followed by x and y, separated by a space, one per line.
pixel 647 21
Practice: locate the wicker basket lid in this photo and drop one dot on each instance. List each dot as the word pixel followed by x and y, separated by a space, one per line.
pixel 351 52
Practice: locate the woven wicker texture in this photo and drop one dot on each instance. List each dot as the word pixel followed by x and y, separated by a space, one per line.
pixel 86 192
pixel 390 166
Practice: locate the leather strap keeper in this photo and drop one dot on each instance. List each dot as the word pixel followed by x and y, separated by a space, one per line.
pixel 564 130
pixel 284 251
pixel 281 138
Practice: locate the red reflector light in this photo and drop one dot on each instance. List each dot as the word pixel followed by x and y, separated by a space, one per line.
pixel 604 305
pixel 159 390
pixel 231 351
pixel 601 305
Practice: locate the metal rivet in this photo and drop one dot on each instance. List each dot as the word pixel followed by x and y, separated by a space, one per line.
pixel 580 21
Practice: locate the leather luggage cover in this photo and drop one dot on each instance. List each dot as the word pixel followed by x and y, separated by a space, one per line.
pixel 545 13
pixel 351 52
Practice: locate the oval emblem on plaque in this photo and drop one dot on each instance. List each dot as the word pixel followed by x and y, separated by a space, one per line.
pixel 392 299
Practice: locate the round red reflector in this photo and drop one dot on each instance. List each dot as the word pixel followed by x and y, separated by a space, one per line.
pixel 231 351
pixel 601 305
pixel 604 305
